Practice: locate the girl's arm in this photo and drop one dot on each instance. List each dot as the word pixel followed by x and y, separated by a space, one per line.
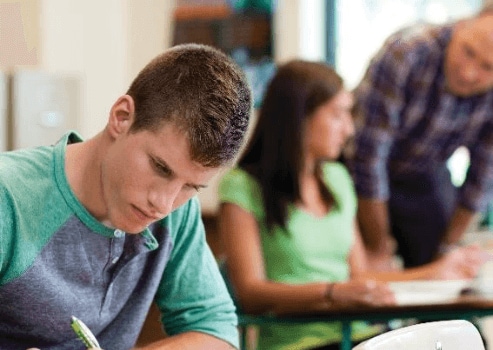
pixel 256 294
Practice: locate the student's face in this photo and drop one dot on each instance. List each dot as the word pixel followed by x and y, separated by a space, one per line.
pixel 469 58
pixel 146 175
pixel 329 127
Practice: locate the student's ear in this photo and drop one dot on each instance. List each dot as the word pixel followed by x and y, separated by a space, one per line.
pixel 122 115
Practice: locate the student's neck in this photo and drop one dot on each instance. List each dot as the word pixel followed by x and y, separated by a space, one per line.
pixel 311 196
pixel 83 169
pixel 309 169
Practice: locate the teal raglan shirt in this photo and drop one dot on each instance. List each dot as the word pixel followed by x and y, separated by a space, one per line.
pixel 56 260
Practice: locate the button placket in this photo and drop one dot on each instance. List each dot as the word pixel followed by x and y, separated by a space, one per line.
pixel 114 254
pixel 117 246
pixel 118 233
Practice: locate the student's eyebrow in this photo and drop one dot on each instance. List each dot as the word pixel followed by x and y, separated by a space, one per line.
pixel 166 170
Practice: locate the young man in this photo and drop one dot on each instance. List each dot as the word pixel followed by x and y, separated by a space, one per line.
pixel 428 91
pixel 100 229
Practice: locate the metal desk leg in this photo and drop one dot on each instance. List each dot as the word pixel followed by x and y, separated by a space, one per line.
pixel 346 343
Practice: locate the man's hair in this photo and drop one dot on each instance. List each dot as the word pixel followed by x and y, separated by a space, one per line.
pixel 202 92
pixel 487 8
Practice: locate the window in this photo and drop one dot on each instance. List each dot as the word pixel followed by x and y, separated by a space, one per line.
pixel 361 26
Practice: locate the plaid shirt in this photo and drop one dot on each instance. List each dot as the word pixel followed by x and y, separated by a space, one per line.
pixel 408 123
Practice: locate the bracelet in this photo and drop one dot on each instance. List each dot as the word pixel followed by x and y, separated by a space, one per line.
pixel 329 292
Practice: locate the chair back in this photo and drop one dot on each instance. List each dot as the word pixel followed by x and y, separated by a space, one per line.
pixel 439 335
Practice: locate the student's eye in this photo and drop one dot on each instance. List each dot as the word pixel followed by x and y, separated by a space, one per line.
pixel 160 168
pixel 468 51
pixel 487 67
pixel 191 189
pixel 195 188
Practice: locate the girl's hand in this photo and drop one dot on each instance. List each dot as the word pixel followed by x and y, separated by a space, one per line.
pixel 362 292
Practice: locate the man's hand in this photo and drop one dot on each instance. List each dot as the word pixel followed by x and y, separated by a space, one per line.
pixel 460 263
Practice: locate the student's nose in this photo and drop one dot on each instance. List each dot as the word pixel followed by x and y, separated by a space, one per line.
pixel 470 73
pixel 162 199
pixel 349 126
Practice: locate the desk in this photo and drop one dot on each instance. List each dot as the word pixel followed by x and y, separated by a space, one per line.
pixel 464 307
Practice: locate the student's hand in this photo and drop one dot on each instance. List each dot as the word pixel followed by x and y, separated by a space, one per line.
pixel 460 263
pixel 362 292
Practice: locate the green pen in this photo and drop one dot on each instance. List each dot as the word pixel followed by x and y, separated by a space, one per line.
pixel 84 333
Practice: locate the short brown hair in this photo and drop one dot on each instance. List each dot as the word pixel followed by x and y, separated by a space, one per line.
pixel 200 90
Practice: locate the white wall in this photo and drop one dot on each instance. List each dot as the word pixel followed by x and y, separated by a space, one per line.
pixel 105 42
pixel 19 39
pixel 299 30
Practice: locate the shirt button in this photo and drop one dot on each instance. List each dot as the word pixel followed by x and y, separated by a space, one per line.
pixel 118 233
pixel 115 260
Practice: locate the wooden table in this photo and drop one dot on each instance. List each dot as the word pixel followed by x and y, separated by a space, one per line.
pixel 463 307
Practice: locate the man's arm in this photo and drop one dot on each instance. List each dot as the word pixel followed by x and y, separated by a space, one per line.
pixel 185 341
pixel 380 98
pixel 373 220
pixel 477 190
pixel 189 341
pixel 458 225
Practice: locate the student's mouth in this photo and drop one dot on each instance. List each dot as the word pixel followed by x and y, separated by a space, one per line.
pixel 142 215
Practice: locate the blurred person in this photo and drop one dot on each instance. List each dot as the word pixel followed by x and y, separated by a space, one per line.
pixel 102 228
pixel 428 91
pixel 287 216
